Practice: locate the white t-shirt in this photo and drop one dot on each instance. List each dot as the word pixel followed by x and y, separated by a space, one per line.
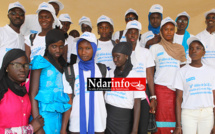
pixel 116 36
pixel 197 85
pixel 104 53
pixel 99 109
pixel 166 66
pixel 146 37
pixel 124 99
pixel 179 39
pixel 141 59
pixel 71 45
pixel 209 42
pixel 39 45
pixel 9 39
pixel 32 25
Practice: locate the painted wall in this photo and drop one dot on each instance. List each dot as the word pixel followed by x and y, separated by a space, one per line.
pixel 115 9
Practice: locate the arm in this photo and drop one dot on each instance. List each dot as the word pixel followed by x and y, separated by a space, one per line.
pixel 66 116
pixel 155 40
pixel 150 80
pixel 33 127
pixel 34 87
pixel 137 102
pixel 213 129
pixel 28 51
pixel 178 129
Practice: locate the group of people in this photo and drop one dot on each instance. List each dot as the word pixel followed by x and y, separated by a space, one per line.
pixel 44 71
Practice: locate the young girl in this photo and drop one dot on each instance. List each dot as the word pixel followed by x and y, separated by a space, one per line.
pixel 105 44
pixel 120 104
pixel 35 43
pixel 88 113
pixel 168 57
pixel 46 86
pixel 143 63
pixel 14 100
pixel 195 91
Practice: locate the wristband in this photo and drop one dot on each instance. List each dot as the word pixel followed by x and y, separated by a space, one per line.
pixel 153 97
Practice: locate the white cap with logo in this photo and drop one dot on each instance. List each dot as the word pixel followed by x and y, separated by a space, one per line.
pixel 193 38
pixel 65 17
pixel 61 6
pixel 87 36
pixel 156 9
pixel 166 20
pixel 208 12
pixel 183 14
pixel 16 4
pixel 134 24
pixel 104 18
pixel 130 10
pixel 50 8
pixel 85 20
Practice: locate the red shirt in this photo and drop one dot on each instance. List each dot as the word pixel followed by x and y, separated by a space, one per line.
pixel 14 111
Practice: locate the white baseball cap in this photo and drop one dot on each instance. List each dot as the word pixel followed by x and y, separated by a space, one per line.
pixel 48 7
pixel 134 24
pixel 130 10
pixel 156 9
pixel 183 14
pixel 85 20
pixel 65 17
pixel 166 20
pixel 208 12
pixel 61 6
pixel 87 36
pixel 104 18
pixel 14 5
pixel 193 38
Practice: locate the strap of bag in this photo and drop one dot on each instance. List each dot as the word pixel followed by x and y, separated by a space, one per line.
pixel 32 37
pixel 103 69
pixel 147 98
pixel 120 34
pixel 70 77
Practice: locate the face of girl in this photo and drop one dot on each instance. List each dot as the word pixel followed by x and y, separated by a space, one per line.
pixel 119 59
pixel 85 50
pixel 168 31
pixel 104 30
pixel 45 19
pixel 18 69
pixel 66 26
pixel 56 49
pixel 196 51
pixel 132 35
pixel 155 19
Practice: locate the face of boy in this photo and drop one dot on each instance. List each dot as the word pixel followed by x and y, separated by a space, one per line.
pixel 85 50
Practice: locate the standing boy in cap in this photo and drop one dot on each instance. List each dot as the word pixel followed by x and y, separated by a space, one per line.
pixel 152 36
pixel 130 15
pixel 86 25
pixel 208 37
pixel 69 43
pixel 31 24
pixel 105 44
pixel 10 36
pixel 182 35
